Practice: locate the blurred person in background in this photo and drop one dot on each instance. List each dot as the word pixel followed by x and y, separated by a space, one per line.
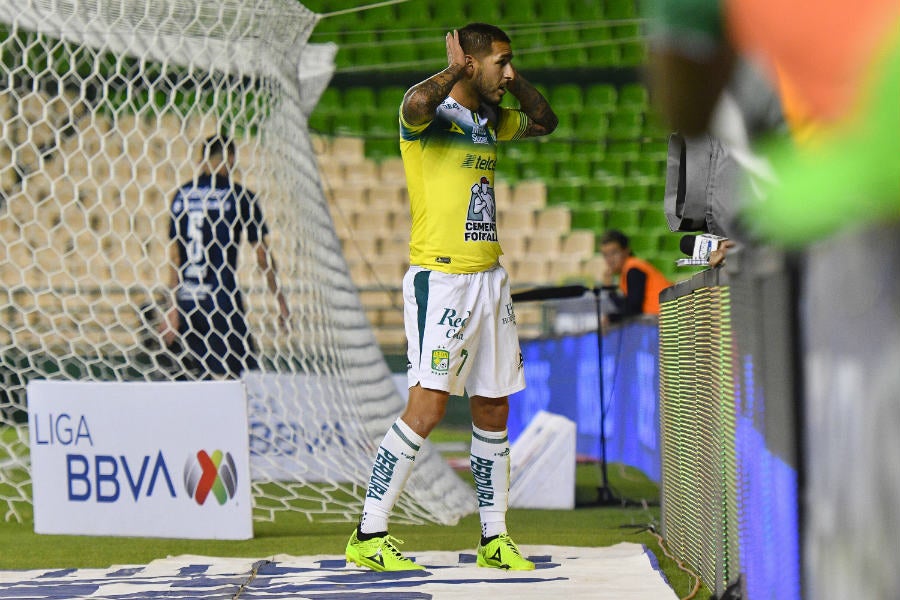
pixel 209 216
pixel 639 282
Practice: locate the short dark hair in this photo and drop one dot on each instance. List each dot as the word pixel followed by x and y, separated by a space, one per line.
pixel 476 38
pixel 216 145
pixel 614 236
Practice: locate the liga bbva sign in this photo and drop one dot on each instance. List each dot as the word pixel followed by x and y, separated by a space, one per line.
pixel 166 459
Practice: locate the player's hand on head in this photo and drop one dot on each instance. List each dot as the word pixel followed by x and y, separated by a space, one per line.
pixel 455 54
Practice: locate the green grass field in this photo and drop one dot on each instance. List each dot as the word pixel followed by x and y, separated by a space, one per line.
pixel 292 533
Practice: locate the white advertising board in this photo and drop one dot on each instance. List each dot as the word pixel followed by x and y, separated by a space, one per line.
pixel 154 459
pixel 298 427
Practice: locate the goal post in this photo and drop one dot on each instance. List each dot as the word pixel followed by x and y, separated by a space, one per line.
pixel 104 105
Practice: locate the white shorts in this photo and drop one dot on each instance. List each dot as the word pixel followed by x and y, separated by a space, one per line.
pixel 461 332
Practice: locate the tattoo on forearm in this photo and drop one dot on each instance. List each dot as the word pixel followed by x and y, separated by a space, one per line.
pixel 423 99
pixel 543 119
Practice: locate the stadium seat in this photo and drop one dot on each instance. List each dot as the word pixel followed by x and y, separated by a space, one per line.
pixel 654 219
pixel 598 192
pixel 591 125
pixel 604 55
pixel 564 192
pixel 566 97
pixel 554 149
pixel 619 9
pixel 550 12
pixel 623 219
pixel 610 168
pixel 539 169
pixel 580 241
pixel 634 96
pixel 586 10
pixel 601 97
pixel 625 125
pixel 635 192
pixel 448 12
pixel 519 13
pixel 359 99
pixel 389 97
pixel 575 169
pixel 587 217
pixel 554 218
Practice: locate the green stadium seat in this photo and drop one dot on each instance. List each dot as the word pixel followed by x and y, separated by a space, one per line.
pixel 635 192
pixel 566 97
pixel 448 12
pixel 655 148
pixel 588 217
pixel 633 54
pixel 634 96
pixel 566 126
pixel 562 192
pixel 643 244
pixel 604 55
pixel 550 11
pixel 382 124
pixel 586 10
pixel 379 149
pixel 623 219
pixel 359 99
pixel 575 169
pixel 554 149
pixel 389 97
pixel 648 169
pixel 519 12
pixel 349 123
pixel 619 9
pixel 654 219
pixel 377 19
pixel 623 149
pixel 601 97
pixel 670 244
pixel 321 122
pixel 329 101
pixel 401 54
pixel 598 192
pixel 540 169
pixel 625 126
pixel 591 125
pixel 610 168
pixel 594 149
pixel 521 150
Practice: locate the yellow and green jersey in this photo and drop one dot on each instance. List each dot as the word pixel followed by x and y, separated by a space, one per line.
pixel 449 164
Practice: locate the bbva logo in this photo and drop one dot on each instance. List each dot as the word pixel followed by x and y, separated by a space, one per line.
pixel 216 474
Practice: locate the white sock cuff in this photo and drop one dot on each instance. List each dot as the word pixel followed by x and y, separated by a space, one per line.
pixel 491 437
pixel 407 434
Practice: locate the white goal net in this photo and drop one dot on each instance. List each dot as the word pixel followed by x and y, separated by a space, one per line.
pixel 104 106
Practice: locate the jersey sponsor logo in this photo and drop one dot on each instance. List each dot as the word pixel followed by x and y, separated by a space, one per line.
pixel 482 470
pixel 454 323
pixel 481 219
pixel 444 260
pixel 454 128
pixel 480 134
pixel 510 315
pixel 476 161
pixel 440 361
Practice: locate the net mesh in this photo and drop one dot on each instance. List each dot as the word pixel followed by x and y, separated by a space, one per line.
pixel 104 104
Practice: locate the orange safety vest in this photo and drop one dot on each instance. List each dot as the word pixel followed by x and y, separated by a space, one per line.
pixel 656 282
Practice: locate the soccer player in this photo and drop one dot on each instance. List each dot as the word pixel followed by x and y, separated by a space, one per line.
pixel 460 323
pixel 208 217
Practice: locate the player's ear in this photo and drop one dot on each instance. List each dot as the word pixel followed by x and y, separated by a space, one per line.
pixel 470 65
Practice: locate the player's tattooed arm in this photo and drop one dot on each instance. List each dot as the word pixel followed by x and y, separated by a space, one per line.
pixel 421 101
pixel 541 118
